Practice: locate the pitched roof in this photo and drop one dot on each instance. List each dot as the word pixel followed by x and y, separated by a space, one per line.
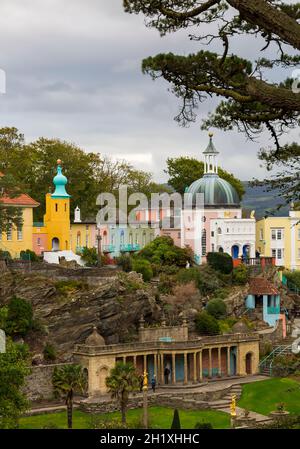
pixel 21 200
pixel 261 286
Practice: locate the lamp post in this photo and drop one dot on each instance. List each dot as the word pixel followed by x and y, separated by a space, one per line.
pixel 145 400
pixel 99 238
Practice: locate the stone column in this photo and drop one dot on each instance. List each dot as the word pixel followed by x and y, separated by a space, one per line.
pixel 219 361
pixel 145 363
pixel 162 368
pixel 209 362
pixel 173 368
pixel 155 366
pixel 124 358
pixel 228 362
pixel 195 367
pixel 200 366
pixel 185 369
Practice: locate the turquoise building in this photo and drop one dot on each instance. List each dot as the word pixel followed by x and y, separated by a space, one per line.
pixel 264 300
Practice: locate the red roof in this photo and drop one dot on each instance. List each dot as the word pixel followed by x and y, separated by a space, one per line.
pixel 21 200
pixel 261 286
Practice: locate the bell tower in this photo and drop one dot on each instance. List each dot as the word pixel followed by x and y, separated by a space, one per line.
pixel 57 217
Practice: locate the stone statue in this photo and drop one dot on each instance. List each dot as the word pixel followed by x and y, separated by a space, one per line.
pixel 233 405
pixel 252 215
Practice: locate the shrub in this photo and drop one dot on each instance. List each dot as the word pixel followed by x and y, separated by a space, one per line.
pixel 166 284
pixel 205 278
pixel 29 255
pixel 19 317
pixel 206 324
pixel 176 420
pixel 221 262
pixel 125 262
pixel 49 352
pixel 5 254
pixel 143 267
pixel 216 308
pixel 293 277
pixel 89 256
pixel 203 425
pixel 240 275
pixel 65 287
pixel 162 251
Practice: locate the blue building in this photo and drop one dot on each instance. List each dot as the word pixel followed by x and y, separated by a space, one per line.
pixel 264 299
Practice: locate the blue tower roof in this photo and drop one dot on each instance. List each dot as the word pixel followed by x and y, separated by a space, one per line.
pixel 60 181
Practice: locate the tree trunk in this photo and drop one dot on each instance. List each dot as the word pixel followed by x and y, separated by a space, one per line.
pixel 123 413
pixel 70 413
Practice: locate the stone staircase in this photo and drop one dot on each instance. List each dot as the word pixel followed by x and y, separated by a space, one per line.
pixel 225 402
pixel 266 364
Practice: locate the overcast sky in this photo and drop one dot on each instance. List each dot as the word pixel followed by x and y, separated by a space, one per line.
pixel 73 72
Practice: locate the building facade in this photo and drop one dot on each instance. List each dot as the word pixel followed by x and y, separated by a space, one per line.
pixel 279 237
pixel 186 360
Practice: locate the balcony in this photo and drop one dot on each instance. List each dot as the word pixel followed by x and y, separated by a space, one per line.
pixel 108 248
pixel 130 248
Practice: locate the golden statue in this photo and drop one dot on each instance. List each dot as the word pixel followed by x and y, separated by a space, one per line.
pixel 145 382
pixel 233 405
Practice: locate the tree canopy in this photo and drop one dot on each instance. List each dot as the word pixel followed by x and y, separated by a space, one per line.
pixel 33 165
pixel 249 101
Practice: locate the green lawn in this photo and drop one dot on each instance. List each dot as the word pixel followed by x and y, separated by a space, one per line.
pixel 160 418
pixel 263 396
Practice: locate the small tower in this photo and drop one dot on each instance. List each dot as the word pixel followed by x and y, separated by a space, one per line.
pixel 57 217
pixel 77 215
pixel 210 158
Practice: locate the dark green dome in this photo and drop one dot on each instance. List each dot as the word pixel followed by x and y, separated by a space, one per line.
pixel 217 192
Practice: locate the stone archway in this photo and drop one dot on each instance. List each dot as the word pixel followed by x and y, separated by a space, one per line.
pixel 248 362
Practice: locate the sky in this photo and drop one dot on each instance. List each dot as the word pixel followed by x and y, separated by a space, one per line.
pixel 73 70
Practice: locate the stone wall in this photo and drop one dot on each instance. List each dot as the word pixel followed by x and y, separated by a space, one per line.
pixel 176 333
pixel 39 383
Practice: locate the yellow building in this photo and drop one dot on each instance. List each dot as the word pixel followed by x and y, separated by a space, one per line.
pixel 279 237
pixel 17 239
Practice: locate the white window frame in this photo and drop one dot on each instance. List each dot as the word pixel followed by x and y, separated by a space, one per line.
pixel 20 233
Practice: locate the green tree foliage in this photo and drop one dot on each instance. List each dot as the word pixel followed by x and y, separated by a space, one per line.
pixel 176 420
pixel 49 352
pixel 183 171
pixel 29 255
pixel 203 425
pixel 240 275
pixel 216 308
pixel 162 251
pixel 68 380
pixel 9 215
pixel 19 317
pixel 221 262
pixel 293 277
pixel 144 267
pixel 90 256
pixel 122 380
pixel 206 324
pixel 125 262
pixel 13 370
pixel 33 166
pixel 206 278
pixel 248 100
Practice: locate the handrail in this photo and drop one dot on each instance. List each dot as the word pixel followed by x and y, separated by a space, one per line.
pixel 284 348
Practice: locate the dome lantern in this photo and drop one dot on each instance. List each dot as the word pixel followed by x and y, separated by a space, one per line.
pixel 60 181
pixel 210 157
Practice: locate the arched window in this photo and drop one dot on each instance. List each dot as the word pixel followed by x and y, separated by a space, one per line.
pixel 219 231
pixel 78 239
pixel 203 242
pixel 122 237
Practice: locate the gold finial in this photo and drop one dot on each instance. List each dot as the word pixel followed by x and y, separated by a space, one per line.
pixel 211 134
pixel 58 161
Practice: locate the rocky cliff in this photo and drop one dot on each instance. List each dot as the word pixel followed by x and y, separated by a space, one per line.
pixel 67 310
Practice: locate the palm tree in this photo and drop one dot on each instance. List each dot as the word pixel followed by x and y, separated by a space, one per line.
pixel 122 380
pixel 67 380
